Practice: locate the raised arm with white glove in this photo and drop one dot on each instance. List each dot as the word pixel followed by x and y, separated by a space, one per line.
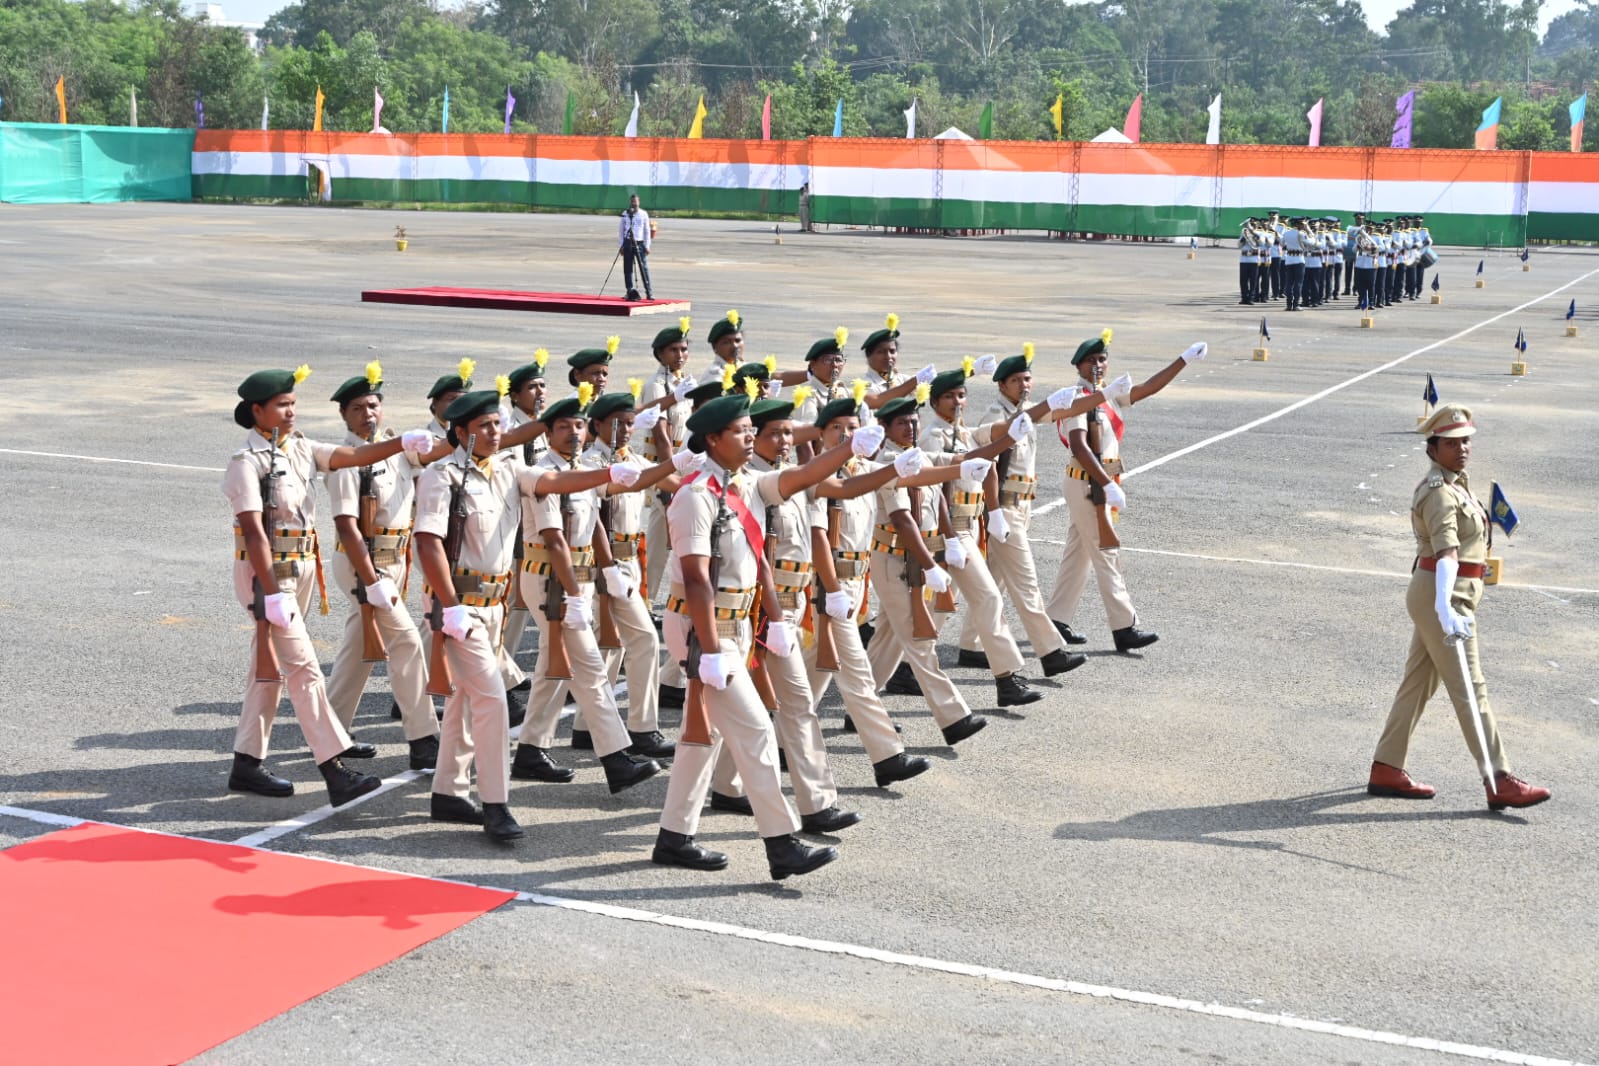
pixel 1196 352
pixel 867 439
pixel 1120 390
pixel 975 469
pixel 909 463
pixel 1455 625
pixel 926 374
pixel 625 472
pixel 985 364
pixel 685 461
pixel 416 441
pixel 1021 426
pixel 1063 398
pixel 645 420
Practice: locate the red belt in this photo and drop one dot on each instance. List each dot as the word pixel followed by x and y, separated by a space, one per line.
pixel 1466 569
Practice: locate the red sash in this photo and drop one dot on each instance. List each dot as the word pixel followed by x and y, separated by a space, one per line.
pixel 735 503
pixel 1118 425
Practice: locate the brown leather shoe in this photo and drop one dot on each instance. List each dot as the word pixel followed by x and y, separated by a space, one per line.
pixel 1511 791
pixel 1391 781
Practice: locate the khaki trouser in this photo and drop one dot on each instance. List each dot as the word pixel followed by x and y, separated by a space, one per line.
pixel 511 675
pixel 655 545
pixel 476 727
pixel 301 670
pixel 516 619
pixel 639 656
pixel 1430 661
pixel 595 701
pixel 854 676
pixel 892 642
pixel 740 723
pixel 1011 564
pixel 1084 555
pixel 799 731
pixel 408 677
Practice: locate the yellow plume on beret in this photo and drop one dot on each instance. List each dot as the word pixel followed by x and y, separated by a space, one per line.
pixel 841 335
pixel 636 387
pixel 502 384
pixel 858 391
pixel 892 321
pixel 1028 352
pixel 727 378
pixel 541 357
pixel 732 318
pixel 770 363
pixel 1105 336
pixel 966 365
pixel 374 373
pixel 801 394
pixel 752 389
pixel 682 324
pixel 923 392
pixel 464 369
pixel 585 393
pixel 612 344
pixel 301 372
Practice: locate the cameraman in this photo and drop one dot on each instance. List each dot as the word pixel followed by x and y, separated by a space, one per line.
pixel 634 236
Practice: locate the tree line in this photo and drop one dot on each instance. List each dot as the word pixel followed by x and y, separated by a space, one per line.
pixel 1269 59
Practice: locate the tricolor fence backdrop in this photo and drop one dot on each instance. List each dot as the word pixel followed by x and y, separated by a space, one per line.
pixel 1483 198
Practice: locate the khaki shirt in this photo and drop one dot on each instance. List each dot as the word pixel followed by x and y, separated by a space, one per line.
pixel 545 512
pixel 790 518
pixel 893 497
pixel 298 459
pixel 534 449
pixel 692 514
pixel 674 417
pixel 394 481
pixel 626 508
pixel 1109 446
pixel 492 501
pixel 439 430
pixel 857 516
pixel 821 395
pixel 938 436
pixel 1023 461
pixel 1445 515
pixel 876 383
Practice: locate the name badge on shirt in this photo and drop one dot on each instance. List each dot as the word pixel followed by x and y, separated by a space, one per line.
pixel 473 488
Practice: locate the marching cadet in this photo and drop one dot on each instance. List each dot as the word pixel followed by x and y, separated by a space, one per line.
pixel 726 339
pixel 1446 586
pixel 268 483
pixel 666 389
pixel 1333 264
pixel 1427 255
pixel 1273 285
pixel 560 507
pixel 372 508
pixel 613 420
pixel 593 365
pixel 1350 249
pixel 882 360
pixel 1310 288
pixel 445 391
pixel 824 364
pixel 1249 243
pixel 715 568
pixel 1293 241
pixel 842 520
pixel 1010 554
pixel 528 395
pixel 1366 251
pixel 1093 489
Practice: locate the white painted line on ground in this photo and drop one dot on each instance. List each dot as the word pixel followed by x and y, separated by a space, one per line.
pixel 310 818
pixel 103 459
pixel 956 969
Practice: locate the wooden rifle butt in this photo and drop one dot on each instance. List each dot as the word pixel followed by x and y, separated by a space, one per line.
pixel 373 650
pixel 610 638
pixel 696 718
pixel 557 666
pixel 266 656
pixel 826 648
pixel 440 683
pixel 922 625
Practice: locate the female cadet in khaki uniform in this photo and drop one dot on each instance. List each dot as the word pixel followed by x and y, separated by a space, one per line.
pixel 275 552
pixel 1451 530
pixel 528 396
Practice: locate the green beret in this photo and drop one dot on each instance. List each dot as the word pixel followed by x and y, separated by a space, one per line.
pixel 470 405
pixel 449 383
pixel 757 371
pixel 1013 365
pixel 262 385
pixel 610 403
pixel 878 338
pixel 837 409
pixel 567 408
pixel 949 379
pixel 905 405
pixel 722 328
pixel 524 374
pixel 764 411
pixel 708 391
pixel 825 346
pixel 718 414
pixel 669 335
pixel 1089 347
pixel 355 388
pixel 589 357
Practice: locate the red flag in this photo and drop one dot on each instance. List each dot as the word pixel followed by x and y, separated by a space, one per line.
pixel 766 119
pixel 1135 119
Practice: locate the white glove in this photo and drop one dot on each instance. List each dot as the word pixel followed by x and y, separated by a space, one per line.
pixel 417 441
pixel 1196 352
pixel 1021 427
pixel 937 578
pixel 717 669
pixel 954 555
pixel 781 640
pixel 975 469
pixel 774 389
pixel 926 374
pixel 576 615
pixel 626 473
pixel 682 389
pixel 686 461
pixel 1063 398
pixel 1454 623
pixel 866 440
pixel 616 584
pixel 1114 496
pixel 909 464
pixel 645 420
pixel 998 526
pixel 457 622
pixel 505 414
pixel 985 364
pixel 382 593
pixel 1120 390
pixel 281 609
pixel 837 605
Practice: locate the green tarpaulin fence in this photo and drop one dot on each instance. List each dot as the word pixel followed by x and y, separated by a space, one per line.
pixel 43 163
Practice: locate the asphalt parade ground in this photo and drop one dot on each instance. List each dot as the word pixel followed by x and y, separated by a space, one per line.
pixel 1170 859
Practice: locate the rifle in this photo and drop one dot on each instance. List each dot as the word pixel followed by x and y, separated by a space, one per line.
pixel 609 637
pixel 1096 492
pixel 557 666
pixel 758 674
pixel 944 602
pixel 372 646
pixel 266 656
pixel 439 681
pixel 826 646
pixel 696 718
pixel 922 627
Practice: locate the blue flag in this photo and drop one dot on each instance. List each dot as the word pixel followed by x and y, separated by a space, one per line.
pixel 1479 265
pixel 446 109
pixel 1571 312
pixel 1430 395
pixel 838 118
pixel 1524 255
pixel 1500 513
pixel 1521 341
pixel 199 113
pixel 1435 283
pixel 1265 334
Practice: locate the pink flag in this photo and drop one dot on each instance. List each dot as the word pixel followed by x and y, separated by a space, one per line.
pixel 766 119
pixel 1314 114
pixel 1135 119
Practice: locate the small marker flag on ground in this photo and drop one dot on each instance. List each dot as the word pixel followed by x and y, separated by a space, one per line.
pixel 1501 513
pixel 1430 396
pixel 1571 312
pixel 1435 283
pixel 1265 334
pixel 1521 341
pixel 1524 255
pixel 1479 265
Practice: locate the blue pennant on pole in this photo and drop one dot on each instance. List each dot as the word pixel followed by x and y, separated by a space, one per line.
pixel 1521 341
pixel 1571 312
pixel 1265 334
pixel 1479 266
pixel 1430 395
pixel 1524 253
pixel 1435 283
pixel 1501 513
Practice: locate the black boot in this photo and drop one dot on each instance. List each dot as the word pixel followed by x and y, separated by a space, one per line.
pixel 830 820
pixel 675 849
pixel 457 809
pixel 978 659
pixel 731 804
pixel 1133 638
pixel 516 703
pixel 1068 636
pixel 1061 661
pixel 849 726
pixel 623 771
pixel 582 740
pixel 534 764
pixel 249 775
pixel 786 856
pixel 903 682
pixel 1013 691
pixel 345 784
pixel 867 631
pixel 394 710
pixel 899 767
pixel 360 751
pixel 498 823
pixel 650 744
pixel 671 696
pixel 425 753
pixel 956 732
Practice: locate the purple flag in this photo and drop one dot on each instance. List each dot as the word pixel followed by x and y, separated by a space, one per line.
pixel 510 105
pixel 1404 108
pixel 199 113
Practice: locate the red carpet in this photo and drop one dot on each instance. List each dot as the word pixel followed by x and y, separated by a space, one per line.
pixel 130 948
pixel 560 303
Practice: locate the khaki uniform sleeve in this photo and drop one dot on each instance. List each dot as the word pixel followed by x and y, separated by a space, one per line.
pixel 689 519
pixel 1439 514
pixel 766 488
pixel 344 492
pixel 241 484
pixel 433 500
pixel 322 455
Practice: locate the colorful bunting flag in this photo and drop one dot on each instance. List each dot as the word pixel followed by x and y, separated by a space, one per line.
pixel 1488 132
pixel 632 120
pixel 838 118
pixel 510 105
pixel 766 118
pixel 61 97
pixel 571 113
pixel 1578 111
pixel 1213 131
pixel 985 124
pixel 1057 109
pixel 696 130
pixel 1132 128
pixel 316 120
pixel 1314 115
pixel 1404 109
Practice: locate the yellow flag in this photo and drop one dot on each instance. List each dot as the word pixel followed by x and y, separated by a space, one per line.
pixel 697 130
pixel 1055 110
pixel 61 97
pixel 316 123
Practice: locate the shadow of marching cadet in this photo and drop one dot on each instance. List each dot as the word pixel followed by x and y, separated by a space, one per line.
pixel 394 902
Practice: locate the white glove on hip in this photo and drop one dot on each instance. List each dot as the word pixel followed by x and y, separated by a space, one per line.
pixel 645 420
pixel 382 594
pixel 954 555
pixel 985 364
pixel 926 374
pixel 837 605
pixel 1114 496
pixel 457 622
pixel 1021 427
pixel 717 669
pixel 682 389
pixel 417 441
pixel 1120 390
pixel 1196 352
pixel 998 525
pixel 616 584
pixel 576 615
pixel 866 440
pixel 781 640
pixel 937 578
pixel 976 469
pixel 685 461
pixel 281 610
pixel 1063 398
pixel 626 473
pixel 909 464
